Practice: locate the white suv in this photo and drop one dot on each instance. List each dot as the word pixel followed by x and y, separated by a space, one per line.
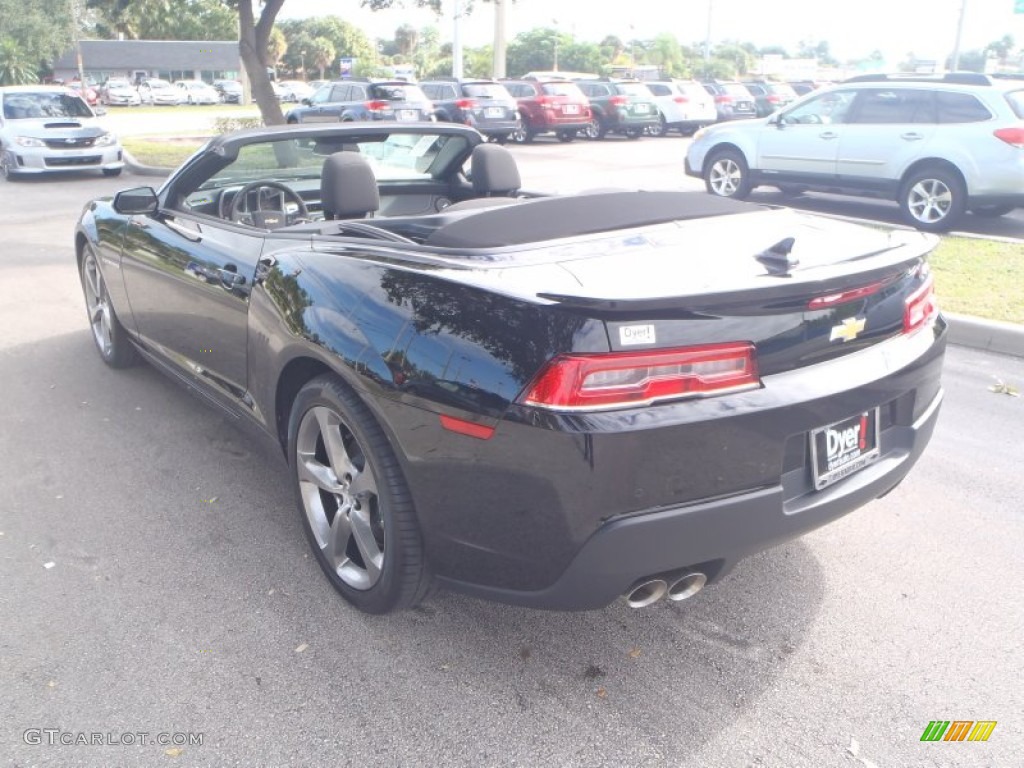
pixel 938 145
pixel 682 104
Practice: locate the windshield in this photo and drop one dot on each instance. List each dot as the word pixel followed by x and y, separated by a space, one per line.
pixel 158 85
pixel 1016 99
pixel 29 105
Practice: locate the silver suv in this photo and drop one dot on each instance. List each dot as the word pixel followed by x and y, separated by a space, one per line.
pixel 938 145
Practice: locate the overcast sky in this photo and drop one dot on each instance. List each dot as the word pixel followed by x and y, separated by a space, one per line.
pixel 853 28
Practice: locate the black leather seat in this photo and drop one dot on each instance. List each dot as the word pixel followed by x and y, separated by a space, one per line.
pixel 348 188
pixel 496 179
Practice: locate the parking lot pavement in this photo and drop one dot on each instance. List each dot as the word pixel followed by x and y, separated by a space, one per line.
pixel 155 579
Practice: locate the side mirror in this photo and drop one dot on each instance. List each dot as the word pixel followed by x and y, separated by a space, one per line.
pixel 135 201
pixel 307 101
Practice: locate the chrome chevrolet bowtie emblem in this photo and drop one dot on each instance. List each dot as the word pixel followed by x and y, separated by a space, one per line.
pixel 69 141
pixel 848 330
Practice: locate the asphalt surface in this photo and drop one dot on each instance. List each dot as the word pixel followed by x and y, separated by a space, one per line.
pixel 182 599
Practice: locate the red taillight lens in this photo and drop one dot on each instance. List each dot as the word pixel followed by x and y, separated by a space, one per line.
pixel 680 99
pixel 920 307
pixel 618 101
pixel 620 379
pixel 546 101
pixel 832 299
pixel 465 104
pixel 773 99
pixel 376 106
pixel 1012 136
pixel 723 99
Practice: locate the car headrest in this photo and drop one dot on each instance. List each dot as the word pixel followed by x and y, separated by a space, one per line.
pixel 348 188
pixel 494 171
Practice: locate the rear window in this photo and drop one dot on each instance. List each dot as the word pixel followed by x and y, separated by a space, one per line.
pixel 736 90
pixel 659 90
pixel 634 89
pixel 1016 102
pixel 398 92
pixel 563 89
pixel 960 108
pixel 782 90
pixel 486 91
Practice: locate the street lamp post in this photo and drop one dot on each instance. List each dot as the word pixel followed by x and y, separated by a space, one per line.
pixel 959 32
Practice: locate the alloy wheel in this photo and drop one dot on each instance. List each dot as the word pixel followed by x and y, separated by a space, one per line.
pixel 929 201
pixel 339 496
pixel 725 177
pixel 97 302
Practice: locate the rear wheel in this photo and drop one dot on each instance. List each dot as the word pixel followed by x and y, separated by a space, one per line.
pixel 992 211
pixel 111 338
pixel 634 133
pixel 933 199
pixel 566 136
pixel 727 174
pixel 522 134
pixel 357 510
pixel 658 129
pixel 595 129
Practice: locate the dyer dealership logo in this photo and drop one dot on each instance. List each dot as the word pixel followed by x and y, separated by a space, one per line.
pixel 958 730
pixel 848 330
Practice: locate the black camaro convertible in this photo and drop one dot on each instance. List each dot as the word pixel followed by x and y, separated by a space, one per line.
pixel 544 400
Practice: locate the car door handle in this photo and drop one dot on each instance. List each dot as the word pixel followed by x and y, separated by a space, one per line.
pixel 828 135
pixel 193 235
pixel 911 136
pixel 231 277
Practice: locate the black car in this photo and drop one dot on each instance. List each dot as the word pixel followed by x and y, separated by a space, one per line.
pixel 544 400
pixel 769 96
pixel 484 104
pixel 350 100
pixel 230 91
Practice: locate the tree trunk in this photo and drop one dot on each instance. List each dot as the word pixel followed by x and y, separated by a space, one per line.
pixel 252 45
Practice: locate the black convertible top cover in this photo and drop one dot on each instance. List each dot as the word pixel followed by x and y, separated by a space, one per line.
pixel 551 218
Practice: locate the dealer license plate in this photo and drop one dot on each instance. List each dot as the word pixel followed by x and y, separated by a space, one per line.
pixel 495 112
pixel 407 114
pixel 570 109
pixel 843 448
pixel 641 108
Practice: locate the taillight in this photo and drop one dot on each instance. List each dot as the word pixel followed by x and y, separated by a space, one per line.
pixel 465 103
pixel 680 99
pixel 832 299
pixel 546 101
pixel 1012 136
pixel 620 379
pixel 723 99
pixel 376 106
pixel 618 101
pixel 773 99
pixel 920 307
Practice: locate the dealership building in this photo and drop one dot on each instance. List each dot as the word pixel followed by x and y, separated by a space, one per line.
pixel 138 59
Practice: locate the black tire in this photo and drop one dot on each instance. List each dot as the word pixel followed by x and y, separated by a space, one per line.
pixel 596 129
pixel 933 199
pixel 992 211
pixel 726 174
pixel 659 129
pixel 634 133
pixel 566 136
pixel 112 172
pixel 522 134
pixel 399 578
pixel 6 165
pixel 111 339
pixel 791 190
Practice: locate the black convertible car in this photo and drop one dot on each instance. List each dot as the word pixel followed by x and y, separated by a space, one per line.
pixel 545 400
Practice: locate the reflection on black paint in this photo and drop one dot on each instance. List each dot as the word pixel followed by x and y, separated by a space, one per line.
pixel 291 299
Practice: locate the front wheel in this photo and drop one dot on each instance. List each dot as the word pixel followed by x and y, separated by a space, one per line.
pixel 7 162
pixel 111 338
pixel 933 199
pixel 356 507
pixel 727 175
pixel 521 134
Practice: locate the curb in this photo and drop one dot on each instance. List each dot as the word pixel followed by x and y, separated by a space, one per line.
pixel 987 335
pixel 964 330
pixel 139 169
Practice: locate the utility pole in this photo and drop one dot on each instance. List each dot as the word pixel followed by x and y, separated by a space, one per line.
pixel 959 32
pixel 499 38
pixel 707 43
pixel 457 41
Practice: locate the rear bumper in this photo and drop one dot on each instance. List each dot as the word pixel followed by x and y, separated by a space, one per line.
pixel 713 536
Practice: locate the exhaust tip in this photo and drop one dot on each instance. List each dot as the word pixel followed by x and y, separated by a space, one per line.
pixel 688 586
pixel 646 593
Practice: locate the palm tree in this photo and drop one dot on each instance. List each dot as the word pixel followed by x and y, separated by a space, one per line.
pixel 14 66
pixel 322 51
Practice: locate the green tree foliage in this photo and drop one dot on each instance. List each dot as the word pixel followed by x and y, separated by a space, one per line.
pixel 35 32
pixel 164 19
pixel 666 52
pixel 534 50
pixel 15 68
pixel 322 53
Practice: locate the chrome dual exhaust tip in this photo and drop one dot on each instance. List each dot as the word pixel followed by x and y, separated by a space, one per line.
pixel 687 586
pixel 646 593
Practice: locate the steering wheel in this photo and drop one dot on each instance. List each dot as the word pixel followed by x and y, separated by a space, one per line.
pixel 244 211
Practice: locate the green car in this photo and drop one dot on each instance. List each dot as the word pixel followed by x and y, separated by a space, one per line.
pixel 618 106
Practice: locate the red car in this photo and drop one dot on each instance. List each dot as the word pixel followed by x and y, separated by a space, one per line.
pixel 89 93
pixel 548 106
